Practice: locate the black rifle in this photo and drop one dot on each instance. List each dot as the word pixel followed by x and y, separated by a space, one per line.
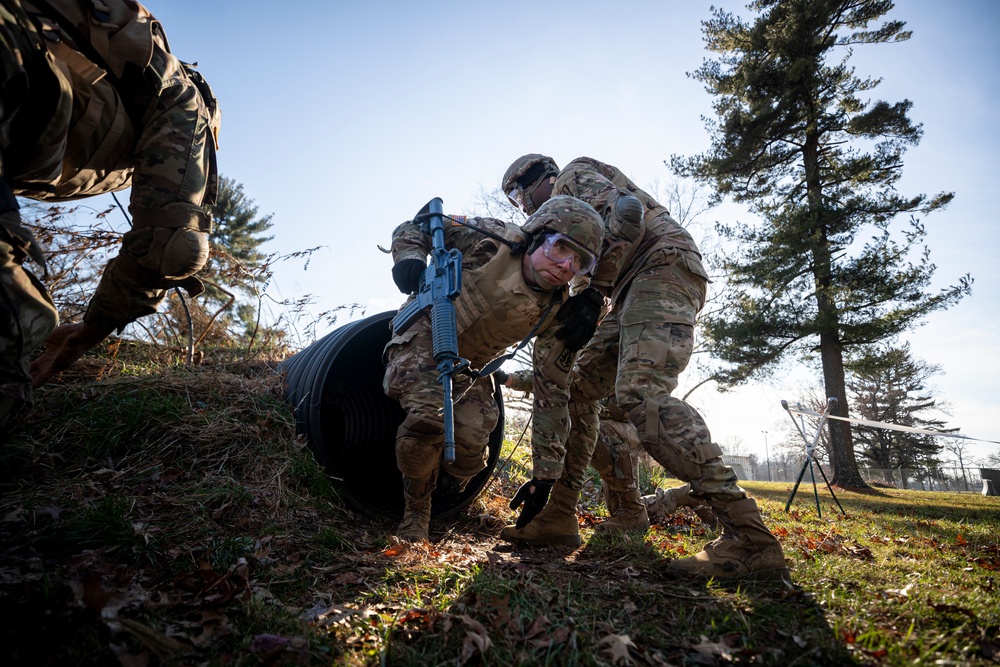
pixel 439 286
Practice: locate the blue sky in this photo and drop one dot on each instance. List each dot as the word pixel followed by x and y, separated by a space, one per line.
pixel 343 119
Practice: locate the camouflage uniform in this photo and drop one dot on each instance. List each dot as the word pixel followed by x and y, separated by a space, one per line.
pixel 496 309
pixel 658 284
pixel 93 102
pixel 655 277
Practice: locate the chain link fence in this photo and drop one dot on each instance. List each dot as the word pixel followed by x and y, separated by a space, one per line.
pixel 961 480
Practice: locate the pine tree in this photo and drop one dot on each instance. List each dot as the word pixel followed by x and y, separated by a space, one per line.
pixel 796 142
pixel 889 385
pixel 236 236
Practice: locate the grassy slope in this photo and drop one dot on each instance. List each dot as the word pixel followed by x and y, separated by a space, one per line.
pixel 162 516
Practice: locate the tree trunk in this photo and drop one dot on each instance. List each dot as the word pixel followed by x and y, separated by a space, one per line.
pixel 845 465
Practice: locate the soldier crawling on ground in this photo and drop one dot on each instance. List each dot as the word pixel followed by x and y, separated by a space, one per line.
pixel 93 101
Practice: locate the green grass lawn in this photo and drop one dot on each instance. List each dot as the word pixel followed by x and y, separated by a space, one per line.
pixel 173 518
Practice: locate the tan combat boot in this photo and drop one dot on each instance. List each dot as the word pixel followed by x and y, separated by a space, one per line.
pixel 746 549
pixel 628 515
pixel 665 502
pixel 555 524
pixel 612 499
pixel 417 515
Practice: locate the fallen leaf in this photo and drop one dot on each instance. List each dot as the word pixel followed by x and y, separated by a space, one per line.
pixel 477 640
pixel 712 651
pixel 348 578
pixel 537 627
pixel 617 646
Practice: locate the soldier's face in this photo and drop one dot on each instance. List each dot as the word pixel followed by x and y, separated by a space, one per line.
pixel 531 199
pixel 544 272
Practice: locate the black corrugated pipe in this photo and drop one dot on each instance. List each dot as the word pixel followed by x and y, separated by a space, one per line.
pixel 335 389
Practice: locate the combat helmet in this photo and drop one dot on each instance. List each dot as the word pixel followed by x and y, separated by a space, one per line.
pixel 571 220
pixel 524 175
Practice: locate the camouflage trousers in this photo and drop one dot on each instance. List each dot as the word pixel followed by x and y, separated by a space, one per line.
pixel 615 454
pixel 636 356
pixel 27 317
pixel 411 377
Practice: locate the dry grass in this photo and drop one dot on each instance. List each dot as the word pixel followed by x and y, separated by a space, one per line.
pixel 155 515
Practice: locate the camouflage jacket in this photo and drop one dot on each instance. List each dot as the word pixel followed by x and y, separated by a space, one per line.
pixel 102 57
pixel 659 240
pixel 496 310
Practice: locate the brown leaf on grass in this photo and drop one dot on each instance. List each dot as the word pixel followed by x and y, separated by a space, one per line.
pixel 205 627
pixel 90 593
pixel 348 578
pixel 558 637
pixel 477 640
pixel 212 589
pixel 422 615
pixel 499 611
pixel 163 646
pixel 992 565
pixel 616 647
pixel 712 652
pixel 960 540
pixel 537 627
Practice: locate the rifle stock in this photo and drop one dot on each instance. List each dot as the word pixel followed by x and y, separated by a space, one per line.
pixel 440 284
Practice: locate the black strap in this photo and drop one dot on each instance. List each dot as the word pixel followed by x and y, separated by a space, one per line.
pixel 489 368
pixel 516 247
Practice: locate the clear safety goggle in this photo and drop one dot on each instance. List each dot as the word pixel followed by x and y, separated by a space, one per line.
pixel 516 196
pixel 560 248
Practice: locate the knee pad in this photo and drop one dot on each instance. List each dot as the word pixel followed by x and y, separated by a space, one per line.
pixel 675 435
pixel 168 243
pixel 416 457
pixel 185 252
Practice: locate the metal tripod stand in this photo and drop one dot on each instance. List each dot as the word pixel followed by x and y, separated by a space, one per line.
pixel 810 451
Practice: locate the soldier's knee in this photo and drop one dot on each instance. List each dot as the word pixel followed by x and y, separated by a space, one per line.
pixel 416 457
pixel 675 435
pixel 172 243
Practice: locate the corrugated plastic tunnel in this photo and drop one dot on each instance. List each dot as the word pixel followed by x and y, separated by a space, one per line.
pixel 334 387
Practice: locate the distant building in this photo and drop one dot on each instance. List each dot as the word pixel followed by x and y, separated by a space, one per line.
pixel 741 465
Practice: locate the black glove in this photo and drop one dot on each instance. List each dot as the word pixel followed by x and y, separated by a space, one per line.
pixel 533 495
pixel 500 376
pixel 579 316
pixel 406 274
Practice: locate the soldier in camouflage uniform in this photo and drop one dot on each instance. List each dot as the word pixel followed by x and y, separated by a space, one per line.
pixel 513 286
pixel 652 270
pixel 92 101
